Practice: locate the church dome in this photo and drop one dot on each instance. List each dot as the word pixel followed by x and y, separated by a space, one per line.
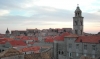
pixel 78 9
pixel 7 31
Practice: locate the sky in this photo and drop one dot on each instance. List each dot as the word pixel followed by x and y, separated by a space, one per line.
pixel 45 14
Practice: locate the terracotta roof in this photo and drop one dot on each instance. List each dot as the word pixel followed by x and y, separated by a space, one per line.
pixel 9 39
pixel 44 55
pixel 2 35
pixel 27 38
pixel 15 43
pixel 10 52
pixel 35 39
pixel 89 39
pixel 3 41
pixel 61 37
pixel 33 48
pixel 31 42
pixel 72 35
pixel 49 39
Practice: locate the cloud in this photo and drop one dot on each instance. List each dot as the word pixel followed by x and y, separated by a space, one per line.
pixel 22 14
pixel 4 12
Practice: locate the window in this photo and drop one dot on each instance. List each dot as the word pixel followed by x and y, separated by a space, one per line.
pixel 85 47
pixel 77 46
pixel 81 40
pixel 77 54
pixel 84 54
pixel 70 54
pixel 70 45
pixel 76 31
pixel 59 52
pixel 93 47
pixel 78 14
pixel 93 56
pixel 62 52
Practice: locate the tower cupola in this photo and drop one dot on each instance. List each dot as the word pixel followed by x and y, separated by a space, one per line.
pixel 78 11
pixel 7 31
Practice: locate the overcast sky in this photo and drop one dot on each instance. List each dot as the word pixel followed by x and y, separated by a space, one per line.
pixel 43 14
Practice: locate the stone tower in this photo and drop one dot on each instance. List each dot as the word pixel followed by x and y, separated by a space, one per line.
pixel 7 33
pixel 78 22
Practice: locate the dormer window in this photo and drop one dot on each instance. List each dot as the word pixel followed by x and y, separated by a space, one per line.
pixel 81 40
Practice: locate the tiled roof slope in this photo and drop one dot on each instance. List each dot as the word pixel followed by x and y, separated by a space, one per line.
pixel 44 55
pixel 15 43
pixel 33 48
pixel 49 39
pixel 10 52
pixel 72 35
pixel 89 39
pixel 61 37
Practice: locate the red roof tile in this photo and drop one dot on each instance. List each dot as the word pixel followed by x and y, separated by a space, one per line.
pixel 3 41
pixel 49 39
pixel 9 39
pixel 33 48
pixel 17 43
pixel 35 39
pixel 72 35
pixel 88 39
pixel 61 37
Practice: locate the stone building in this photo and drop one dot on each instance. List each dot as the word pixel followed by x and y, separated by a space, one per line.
pixel 11 54
pixel 77 44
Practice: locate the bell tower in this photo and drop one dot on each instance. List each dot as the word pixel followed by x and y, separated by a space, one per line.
pixel 78 22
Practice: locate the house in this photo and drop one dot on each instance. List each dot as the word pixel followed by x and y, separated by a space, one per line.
pixel 11 53
pixel 4 44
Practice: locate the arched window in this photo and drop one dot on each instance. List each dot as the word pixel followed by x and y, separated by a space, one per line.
pixel 59 52
pixel 75 14
pixel 62 52
pixel 78 14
